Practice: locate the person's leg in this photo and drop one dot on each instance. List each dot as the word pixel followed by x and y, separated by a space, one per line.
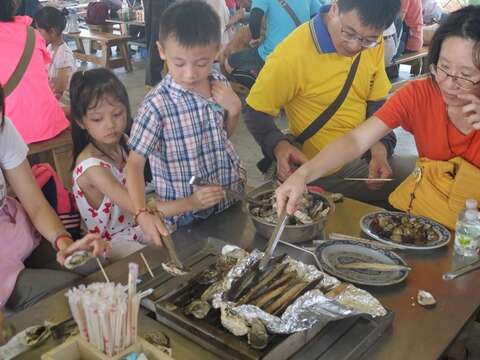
pixel 246 60
pixel 358 190
pixel 34 284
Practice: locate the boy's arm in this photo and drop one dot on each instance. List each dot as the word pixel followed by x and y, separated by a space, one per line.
pixel 224 95
pixel 152 226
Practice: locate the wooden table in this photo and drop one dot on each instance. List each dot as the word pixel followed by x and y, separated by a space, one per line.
pixel 417 332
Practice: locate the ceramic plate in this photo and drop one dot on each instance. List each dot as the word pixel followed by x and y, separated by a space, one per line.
pixel 335 252
pixel 442 231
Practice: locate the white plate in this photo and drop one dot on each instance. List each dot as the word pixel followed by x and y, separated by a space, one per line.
pixel 442 231
pixel 334 252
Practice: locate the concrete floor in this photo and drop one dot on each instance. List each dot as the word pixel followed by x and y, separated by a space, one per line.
pixel 244 143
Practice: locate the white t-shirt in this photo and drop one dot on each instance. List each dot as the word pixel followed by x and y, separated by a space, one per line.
pixel 12 153
pixel 221 9
pixel 62 58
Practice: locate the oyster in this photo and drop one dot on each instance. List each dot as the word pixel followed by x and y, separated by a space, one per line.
pixel 425 298
pixel 77 259
pixel 198 308
pixel 232 322
pixel 34 335
pixel 257 336
pixel 173 269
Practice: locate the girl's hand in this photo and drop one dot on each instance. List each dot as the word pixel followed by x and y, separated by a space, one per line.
pixel 207 196
pixel 224 96
pixel 91 243
pixel 153 227
pixel 471 111
pixel 290 192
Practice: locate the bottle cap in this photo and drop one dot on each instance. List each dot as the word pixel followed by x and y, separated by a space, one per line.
pixel 471 214
pixel 471 204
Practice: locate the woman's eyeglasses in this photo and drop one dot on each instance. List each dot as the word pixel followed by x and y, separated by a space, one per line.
pixel 441 75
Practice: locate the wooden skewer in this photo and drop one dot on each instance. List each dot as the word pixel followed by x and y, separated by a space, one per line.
pixel 101 268
pixel 366 179
pixel 146 264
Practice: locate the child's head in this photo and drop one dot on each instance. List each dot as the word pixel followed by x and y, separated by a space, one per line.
pixel 100 110
pixel 50 22
pixel 189 41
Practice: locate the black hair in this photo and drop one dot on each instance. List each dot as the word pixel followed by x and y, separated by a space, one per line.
pixel 191 22
pixel 7 10
pixel 464 23
pixel 49 17
pixel 2 108
pixel 378 14
pixel 87 89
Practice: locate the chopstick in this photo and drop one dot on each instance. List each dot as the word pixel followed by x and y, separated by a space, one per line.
pixel 337 236
pixel 101 268
pixel 146 264
pixel 366 179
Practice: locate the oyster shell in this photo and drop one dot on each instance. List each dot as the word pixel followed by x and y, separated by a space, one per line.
pixel 78 258
pixel 233 323
pixel 257 336
pixel 174 269
pixel 34 335
pixel 198 308
pixel 425 298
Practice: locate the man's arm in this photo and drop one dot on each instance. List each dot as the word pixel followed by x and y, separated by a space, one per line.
pixel 255 23
pixel 389 140
pixel 264 131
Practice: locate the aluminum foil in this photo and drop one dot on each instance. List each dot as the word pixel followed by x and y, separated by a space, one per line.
pixel 312 308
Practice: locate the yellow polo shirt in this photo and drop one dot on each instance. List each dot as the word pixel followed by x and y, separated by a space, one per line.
pixel 305 81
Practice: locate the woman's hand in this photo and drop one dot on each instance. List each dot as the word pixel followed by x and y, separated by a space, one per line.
pixel 91 243
pixel 291 191
pixel 207 196
pixel 471 111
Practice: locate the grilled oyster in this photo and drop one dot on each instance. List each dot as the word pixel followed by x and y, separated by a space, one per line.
pixel 257 336
pixel 77 259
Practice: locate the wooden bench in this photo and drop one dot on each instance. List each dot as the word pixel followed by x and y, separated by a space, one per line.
pixel 57 152
pixel 106 40
pixel 416 59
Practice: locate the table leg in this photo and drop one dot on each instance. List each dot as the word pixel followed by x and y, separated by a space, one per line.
pixel 126 56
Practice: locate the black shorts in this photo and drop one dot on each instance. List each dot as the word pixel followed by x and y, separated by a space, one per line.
pixel 247 60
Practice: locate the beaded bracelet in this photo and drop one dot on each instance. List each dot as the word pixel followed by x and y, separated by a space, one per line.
pixel 151 211
pixel 60 237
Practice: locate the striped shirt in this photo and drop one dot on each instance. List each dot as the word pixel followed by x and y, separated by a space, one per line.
pixel 183 134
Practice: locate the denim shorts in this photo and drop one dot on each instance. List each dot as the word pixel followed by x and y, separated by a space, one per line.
pixel 247 60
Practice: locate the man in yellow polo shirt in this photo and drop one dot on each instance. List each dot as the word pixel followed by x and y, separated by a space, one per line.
pixel 304 75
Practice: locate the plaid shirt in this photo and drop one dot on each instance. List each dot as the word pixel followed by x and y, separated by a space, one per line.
pixel 183 134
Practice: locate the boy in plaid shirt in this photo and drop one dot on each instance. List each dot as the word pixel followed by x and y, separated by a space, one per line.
pixel 184 125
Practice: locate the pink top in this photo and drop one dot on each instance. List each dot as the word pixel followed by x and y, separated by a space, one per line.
pixel 414 19
pixel 32 106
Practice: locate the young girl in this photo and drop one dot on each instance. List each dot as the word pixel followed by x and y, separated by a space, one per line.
pixel 50 23
pixel 100 113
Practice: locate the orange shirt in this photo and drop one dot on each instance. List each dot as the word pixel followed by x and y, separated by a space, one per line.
pixel 419 109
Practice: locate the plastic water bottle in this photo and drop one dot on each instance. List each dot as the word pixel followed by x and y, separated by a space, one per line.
pixel 467 233
pixel 470 204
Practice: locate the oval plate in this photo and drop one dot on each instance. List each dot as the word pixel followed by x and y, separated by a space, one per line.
pixel 442 231
pixel 334 252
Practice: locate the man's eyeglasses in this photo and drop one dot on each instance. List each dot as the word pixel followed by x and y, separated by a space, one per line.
pixel 353 36
pixel 441 75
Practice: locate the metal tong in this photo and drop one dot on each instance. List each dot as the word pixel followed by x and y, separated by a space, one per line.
pixel 195 180
pixel 460 271
pixel 172 253
pixel 274 239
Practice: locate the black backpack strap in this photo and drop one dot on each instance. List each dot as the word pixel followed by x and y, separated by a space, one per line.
pixel 22 65
pixel 290 12
pixel 322 119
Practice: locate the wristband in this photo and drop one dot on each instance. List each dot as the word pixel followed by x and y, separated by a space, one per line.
pixel 58 238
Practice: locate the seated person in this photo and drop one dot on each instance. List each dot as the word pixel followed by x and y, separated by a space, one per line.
pixel 51 22
pixel 432 12
pixel 390 41
pixel 441 111
pixel 28 8
pixel 19 222
pixel 291 80
pixel 31 106
pixel 184 125
pixel 279 24
pixel 409 27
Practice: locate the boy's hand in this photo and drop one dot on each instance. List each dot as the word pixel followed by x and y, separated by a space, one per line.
pixel 224 96
pixel 207 196
pixel 153 227
pixel 91 243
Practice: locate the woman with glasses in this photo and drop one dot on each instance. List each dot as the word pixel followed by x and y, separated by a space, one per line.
pixel 441 111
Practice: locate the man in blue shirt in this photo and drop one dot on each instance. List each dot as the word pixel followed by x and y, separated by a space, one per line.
pixel 279 23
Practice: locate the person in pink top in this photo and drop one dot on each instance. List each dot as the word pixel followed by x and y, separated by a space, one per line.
pixel 411 13
pixel 32 106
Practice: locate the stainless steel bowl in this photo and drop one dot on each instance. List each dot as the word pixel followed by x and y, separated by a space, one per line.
pixel 291 233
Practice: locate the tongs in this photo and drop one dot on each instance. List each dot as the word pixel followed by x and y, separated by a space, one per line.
pixel 172 253
pixel 195 180
pixel 272 243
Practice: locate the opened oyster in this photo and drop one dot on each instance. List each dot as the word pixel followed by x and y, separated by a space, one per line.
pixel 311 209
pixel 77 259
pixel 425 298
